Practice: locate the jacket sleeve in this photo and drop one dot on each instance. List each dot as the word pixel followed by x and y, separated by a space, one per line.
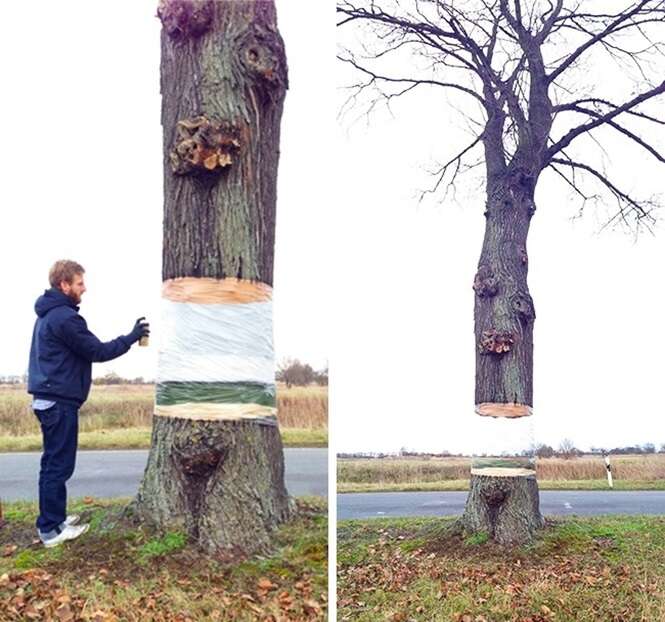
pixel 74 332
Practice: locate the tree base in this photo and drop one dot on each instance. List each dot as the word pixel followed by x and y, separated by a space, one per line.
pixel 506 508
pixel 221 482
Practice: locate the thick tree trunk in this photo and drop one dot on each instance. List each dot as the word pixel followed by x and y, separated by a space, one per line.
pixel 216 465
pixel 503 500
pixel 506 508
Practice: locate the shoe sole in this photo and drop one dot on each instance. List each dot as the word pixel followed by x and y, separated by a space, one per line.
pixel 54 544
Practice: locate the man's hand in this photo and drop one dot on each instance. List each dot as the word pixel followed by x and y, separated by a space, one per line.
pixel 141 329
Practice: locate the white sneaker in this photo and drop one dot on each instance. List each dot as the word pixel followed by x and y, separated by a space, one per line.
pixel 68 533
pixel 72 519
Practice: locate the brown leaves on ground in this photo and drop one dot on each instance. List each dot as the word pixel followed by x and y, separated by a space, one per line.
pixel 36 595
pixel 97 579
pixel 413 580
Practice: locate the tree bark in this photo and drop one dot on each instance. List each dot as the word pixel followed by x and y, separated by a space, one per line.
pixel 506 507
pixel 216 468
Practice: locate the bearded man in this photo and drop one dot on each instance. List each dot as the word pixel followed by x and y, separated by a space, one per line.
pixel 59 379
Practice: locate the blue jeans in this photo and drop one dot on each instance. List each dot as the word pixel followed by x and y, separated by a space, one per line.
pixel 60 434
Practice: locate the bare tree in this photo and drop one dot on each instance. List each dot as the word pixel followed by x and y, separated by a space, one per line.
pixel 567 449
pixel 517 66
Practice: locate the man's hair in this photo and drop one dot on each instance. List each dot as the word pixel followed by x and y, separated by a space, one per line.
pixel 64 270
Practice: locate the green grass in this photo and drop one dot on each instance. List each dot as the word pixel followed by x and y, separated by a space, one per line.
pixel 463 484
pixel 605 569
pixel 136 573
pixel 139 438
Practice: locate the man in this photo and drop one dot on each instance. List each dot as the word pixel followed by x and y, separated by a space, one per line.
pixel 59 378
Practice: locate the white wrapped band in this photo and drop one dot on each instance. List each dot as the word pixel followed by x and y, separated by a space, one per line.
pixel 216 342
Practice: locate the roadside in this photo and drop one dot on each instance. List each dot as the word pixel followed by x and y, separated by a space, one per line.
pixel 139 438
pixel 606 568
pixel 463 485
pixel 120 417
pixel 403 474
pixel 121 572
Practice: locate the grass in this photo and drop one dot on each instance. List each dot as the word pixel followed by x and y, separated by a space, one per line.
pixel 118 571
pixel 120 417
pixel 139 438
pixel 586 473
pixel 463 484
pixel 608 569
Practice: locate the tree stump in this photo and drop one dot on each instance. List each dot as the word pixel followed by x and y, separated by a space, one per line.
pixel 506 508
pixel 221 482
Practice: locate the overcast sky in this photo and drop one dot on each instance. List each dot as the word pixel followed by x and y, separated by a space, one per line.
pixel 365 276
pixel 404 360
pixel 82 172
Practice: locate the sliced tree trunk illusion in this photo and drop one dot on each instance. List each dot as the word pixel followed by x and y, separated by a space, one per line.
pixel 497 55
pixel 216 464
pixel 503 500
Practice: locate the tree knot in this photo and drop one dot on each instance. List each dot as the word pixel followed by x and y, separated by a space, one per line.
pixel 495 496
pixel 523 306
pixel 203 145
pixel 262 53
pixel 186 19
pixel 495 342
pixel 485 284
pixel 200 463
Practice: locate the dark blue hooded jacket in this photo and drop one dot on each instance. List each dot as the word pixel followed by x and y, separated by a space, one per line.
pixel 63 350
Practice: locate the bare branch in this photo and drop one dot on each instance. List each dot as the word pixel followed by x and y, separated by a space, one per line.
pixel 641 209
pixel 413 81
pixel 608 30
pixel 567 139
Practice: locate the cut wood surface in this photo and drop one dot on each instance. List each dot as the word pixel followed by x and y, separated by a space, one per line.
pixel 510 410
pixel 215 291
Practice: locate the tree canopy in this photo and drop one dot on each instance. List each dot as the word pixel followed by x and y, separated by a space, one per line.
pixel 526 71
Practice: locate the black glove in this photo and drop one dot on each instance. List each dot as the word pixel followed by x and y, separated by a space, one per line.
pixel 141 329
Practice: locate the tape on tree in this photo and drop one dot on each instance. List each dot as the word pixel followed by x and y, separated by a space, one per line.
pixel 216 357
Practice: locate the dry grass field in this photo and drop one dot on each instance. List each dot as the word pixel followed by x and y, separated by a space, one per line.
pixel 112 409
pixel 413 473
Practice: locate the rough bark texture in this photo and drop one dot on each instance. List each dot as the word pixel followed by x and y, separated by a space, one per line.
pixel 222 223
pixel 506 508
pixel 221 481
pixel 504 312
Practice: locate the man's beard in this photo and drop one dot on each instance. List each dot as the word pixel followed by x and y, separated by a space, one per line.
pixel 75 298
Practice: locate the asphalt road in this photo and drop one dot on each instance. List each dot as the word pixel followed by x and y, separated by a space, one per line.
pixel 552 502
pixel 117 473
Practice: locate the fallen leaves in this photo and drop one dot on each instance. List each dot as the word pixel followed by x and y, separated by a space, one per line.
pixel 404 579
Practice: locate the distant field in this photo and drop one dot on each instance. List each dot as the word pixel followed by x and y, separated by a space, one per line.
pixel 121 416
pixel 629 472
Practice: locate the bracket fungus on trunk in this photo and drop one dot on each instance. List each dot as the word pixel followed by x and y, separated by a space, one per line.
pixel 203 145
pixel 186 19
pixel 495 342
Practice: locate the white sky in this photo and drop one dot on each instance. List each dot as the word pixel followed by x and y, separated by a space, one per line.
pixel 404 355
pixel 365 276
pixel 82 172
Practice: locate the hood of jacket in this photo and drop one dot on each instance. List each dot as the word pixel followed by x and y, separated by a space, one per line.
pixel 50 299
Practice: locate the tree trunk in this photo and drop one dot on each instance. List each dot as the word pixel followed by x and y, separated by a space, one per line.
pixel 216 464
pixel 503 500
pixel 506 508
